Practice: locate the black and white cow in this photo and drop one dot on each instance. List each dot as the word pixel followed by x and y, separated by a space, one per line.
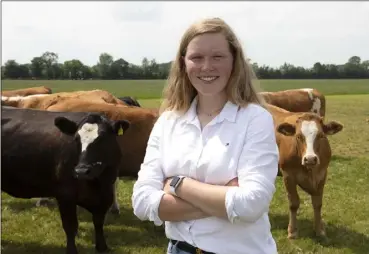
pixel 71 156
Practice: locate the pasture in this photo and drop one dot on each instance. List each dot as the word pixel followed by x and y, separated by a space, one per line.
pixel 29 229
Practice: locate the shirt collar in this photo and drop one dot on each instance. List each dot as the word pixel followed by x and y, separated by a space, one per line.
pixel 229 112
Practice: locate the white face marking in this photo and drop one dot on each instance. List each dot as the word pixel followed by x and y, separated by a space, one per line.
pixel 309 91
pixel 19 98
pixel 316 106
pixel 36 95
pixel 88 133
pixel 309 129
pixel 12 98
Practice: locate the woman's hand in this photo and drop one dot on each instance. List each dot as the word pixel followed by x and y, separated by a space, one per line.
pixel 166 187
pixel 233 182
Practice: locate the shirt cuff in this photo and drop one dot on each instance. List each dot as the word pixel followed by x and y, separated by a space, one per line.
pixel 155 199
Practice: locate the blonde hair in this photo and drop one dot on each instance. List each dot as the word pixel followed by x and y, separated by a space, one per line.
pixel 241 88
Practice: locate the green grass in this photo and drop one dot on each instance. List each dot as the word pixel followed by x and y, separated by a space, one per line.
pixel 151 89
pixel 28 229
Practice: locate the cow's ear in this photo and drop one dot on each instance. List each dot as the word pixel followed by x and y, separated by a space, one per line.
pixel 65 125
pixel 286 129
pixel 120 127
pixel 332 128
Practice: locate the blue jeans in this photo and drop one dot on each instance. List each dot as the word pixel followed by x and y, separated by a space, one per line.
pixel 173 249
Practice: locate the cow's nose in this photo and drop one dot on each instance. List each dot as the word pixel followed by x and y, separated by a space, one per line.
pixel 310 160
pixel 82 170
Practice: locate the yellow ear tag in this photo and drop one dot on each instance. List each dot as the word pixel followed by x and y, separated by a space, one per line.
pixel 120 131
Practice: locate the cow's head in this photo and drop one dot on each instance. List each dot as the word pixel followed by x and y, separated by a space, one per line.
pixel 310 134
pixel 95 138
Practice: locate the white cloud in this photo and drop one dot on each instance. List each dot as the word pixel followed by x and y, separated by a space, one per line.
pixel 272 33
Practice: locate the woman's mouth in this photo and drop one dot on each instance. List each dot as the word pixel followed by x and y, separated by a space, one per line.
pixel 208 78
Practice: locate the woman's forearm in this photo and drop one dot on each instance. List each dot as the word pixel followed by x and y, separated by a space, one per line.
pixel 209 198
pixel 172 208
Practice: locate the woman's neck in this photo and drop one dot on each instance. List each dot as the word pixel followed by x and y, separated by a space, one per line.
pixel 211 104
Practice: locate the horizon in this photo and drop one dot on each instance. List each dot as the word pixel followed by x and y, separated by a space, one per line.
pixel 271 33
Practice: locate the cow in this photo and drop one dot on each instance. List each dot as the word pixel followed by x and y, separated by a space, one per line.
pixel 297 100
pixel 62 155
pixel 44 101
pixel 130 101
pixel 304 157
pixel 27 91
pixel 141 121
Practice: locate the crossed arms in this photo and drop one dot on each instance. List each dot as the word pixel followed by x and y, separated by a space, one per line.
pixel 244 198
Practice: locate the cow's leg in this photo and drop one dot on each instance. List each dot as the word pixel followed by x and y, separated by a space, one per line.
pixel 317 201
pixel 318 222
pixel 294 203
pixel 115 206
pixel 68 214
pixel 98 218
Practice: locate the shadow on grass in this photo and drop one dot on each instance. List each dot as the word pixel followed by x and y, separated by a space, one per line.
pixel 20 205
pixel 126 218
pixel 12 247
pixel 340 158
pixel 338 236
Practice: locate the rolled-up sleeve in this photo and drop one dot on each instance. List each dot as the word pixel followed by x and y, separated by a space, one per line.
pixel 257 171
pixel 147 190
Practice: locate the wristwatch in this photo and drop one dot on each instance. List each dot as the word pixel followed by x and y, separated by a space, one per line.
pixel 176 181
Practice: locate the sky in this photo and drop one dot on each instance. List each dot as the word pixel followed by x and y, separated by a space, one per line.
pixel 272 33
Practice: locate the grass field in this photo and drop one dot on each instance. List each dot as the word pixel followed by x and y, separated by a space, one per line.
pixel 151 89
pixel 27 229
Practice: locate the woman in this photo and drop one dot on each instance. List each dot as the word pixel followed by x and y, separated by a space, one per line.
pixel 212 158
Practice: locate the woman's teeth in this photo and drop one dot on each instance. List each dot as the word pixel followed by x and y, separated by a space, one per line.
pixel 208 78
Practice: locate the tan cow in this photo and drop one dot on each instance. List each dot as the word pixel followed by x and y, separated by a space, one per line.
pixel 305 154
pixel 135 139
pixel 297 100
pixel 27 91
pixel 44 101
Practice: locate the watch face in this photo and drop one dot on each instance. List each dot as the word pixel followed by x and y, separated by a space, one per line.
pixel 174 181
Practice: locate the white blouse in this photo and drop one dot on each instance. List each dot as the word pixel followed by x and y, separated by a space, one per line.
pixel 239 142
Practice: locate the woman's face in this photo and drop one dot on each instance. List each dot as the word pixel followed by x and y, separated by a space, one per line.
pixel 209 62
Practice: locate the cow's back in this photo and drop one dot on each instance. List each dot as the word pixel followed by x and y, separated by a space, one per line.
pixel 32 147
pixel 27 91
pixel 297 100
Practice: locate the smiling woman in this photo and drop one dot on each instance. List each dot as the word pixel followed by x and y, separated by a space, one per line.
pixel 211 159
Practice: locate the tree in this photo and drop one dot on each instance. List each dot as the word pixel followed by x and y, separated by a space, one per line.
pixel 104 64
pixel 37 67
pixel 49 59
pixel 11 69
pixel 73 69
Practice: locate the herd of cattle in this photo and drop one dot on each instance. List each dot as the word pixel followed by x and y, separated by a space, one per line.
pixel 73 146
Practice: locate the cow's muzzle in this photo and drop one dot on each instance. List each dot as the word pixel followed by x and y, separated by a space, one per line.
pixel 310 161
pixel 88 171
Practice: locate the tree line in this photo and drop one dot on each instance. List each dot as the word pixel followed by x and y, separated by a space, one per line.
pixel 48 67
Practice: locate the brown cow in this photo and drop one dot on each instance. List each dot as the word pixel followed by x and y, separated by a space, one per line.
pixel 44 101
pixel 304 156
pixel 297 100
pixel 27 91
pixel 135 139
